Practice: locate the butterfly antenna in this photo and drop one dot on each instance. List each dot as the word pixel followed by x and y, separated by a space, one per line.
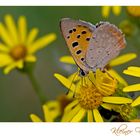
pixel 72 82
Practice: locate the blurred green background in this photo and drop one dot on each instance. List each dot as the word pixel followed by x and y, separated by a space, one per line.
pixel 17 97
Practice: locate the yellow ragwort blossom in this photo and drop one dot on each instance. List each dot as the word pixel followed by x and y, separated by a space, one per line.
pixel 127 27
pixel 106 10
pixel 127 111
pixel 51 111
pixel 134 11
pixel 89 95
pixel 17 46
pixel 133 71
pixel 115 62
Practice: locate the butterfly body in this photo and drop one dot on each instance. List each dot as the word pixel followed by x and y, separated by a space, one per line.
pixel 92 47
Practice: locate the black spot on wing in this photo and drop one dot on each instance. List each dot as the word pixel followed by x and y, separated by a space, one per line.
pixel 70 31
pixel 85 26
pixel 78 36
pixel 84 32
pixel 74 30
pixel 74 44
pixel 87 39
pixel 79 51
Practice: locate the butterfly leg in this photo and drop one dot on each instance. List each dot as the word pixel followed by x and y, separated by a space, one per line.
pixel 91 80
pixel 72 82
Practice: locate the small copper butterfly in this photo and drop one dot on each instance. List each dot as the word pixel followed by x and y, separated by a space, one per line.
pixel 92 46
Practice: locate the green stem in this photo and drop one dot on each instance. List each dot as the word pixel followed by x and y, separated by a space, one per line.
pixel 36 87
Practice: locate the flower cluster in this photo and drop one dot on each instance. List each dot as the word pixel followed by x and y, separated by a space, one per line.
pixel 88 97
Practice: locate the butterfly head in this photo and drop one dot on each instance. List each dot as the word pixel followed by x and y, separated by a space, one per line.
pixel 82 73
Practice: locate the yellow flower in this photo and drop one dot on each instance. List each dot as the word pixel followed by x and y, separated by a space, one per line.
pixel 106 10
pixel 134 11
pixel 63 100
pixel 51 111
pixel 127 27
pixel 89 96
pixel 133 71
pixel 19 46
pixel 127 111
pixel 115 62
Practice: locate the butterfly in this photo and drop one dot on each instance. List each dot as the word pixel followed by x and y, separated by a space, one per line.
pixel 92 46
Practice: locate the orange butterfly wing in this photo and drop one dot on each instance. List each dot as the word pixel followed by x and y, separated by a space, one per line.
pixel 77 35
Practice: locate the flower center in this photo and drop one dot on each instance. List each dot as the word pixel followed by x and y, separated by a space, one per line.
pixel 128 112
pixel 18 52
pixel 89 97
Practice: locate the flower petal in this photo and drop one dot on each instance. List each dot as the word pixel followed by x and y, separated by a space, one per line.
pixel 5 59
pixel 111 107
pixel 135 87
pixel 68 116
pixel 31 37
pixel 66 82
pixel 5 36
pixel 117 100
pixel 54 109
pixel 30 58
pixel 122 59
pixel 106 91
pixel 105 11
pixel 41 43
pixel 133 68
pixel 79 116
pixel 133 71
pixel 22 28
pixel 18 64
pixel 74 77
pixel 4 48
pixel 134 11
pixel 97 116
pixel 89 116
pixel 116 10
pixel 35 118
pixel 47 115
pixel 11 28
pixel 67 59
pixel 70 106
pixel 136 102
pixel 113 73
